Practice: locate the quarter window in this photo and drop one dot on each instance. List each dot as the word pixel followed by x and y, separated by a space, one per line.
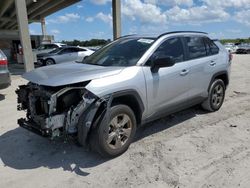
pixel 196 47
pixel 212 49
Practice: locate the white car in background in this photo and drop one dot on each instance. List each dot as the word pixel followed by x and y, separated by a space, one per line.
pixel 63 55
pixel 231 48
pixel 46 48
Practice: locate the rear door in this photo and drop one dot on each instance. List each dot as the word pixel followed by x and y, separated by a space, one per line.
pixel 73 55
pixel 167 88
pixel 201 65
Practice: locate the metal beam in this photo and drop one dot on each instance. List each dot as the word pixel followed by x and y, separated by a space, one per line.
pixel 31 9
pixel 54 8
pixel 116 9
pixel 45 8
pixel 37 9
pixel 22 19
pixel 8 19
pixel 4 6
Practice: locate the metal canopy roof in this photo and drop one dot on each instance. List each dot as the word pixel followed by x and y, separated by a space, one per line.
pixel 36 9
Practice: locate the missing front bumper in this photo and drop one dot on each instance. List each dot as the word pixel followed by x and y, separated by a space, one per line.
pixel 33 127
pixel 44 119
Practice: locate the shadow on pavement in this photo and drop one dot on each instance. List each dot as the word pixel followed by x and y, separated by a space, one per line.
pixel 20 149
pixel 167 122
pixel 2 97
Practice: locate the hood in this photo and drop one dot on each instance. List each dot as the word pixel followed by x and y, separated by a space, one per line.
pixel 69 73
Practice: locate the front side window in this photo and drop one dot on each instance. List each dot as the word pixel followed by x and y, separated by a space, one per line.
pixel 42 47
pixel 196 47
pixel 123 52
pixel 55 51
pixel 172 48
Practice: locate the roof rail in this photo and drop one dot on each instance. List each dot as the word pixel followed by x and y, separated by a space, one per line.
pixel 126 36
pixel 173 32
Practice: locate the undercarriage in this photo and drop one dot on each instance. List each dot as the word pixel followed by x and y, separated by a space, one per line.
pixel 56 111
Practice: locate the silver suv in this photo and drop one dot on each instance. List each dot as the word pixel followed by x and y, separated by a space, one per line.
pixel 125 84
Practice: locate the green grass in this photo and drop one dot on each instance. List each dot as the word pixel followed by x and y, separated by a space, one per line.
pixel 223 41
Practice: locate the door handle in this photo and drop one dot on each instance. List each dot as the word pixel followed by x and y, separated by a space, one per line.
pixel 212 63
pixel 184 72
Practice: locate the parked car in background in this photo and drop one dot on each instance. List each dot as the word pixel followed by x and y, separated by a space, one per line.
pixel 125 84
pixel 4 72
pixel 231 48
pixel 243 49
pixel 46 48
pixel 64 54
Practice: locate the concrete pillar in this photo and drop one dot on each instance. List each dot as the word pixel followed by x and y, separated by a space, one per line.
pixel 116 9
pixel 43 25
pixel 23 27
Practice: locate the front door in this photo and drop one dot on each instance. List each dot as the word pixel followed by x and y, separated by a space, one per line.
pixel 168 87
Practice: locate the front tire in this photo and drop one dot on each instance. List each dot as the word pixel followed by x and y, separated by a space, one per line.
pixel 216 96
pixel 49 61
pixel 114 138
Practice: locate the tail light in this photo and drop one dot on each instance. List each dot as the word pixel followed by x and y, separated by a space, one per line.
pixel 230 57
pixel 3 62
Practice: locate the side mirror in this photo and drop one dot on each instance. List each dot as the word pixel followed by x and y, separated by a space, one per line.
pixel 162 62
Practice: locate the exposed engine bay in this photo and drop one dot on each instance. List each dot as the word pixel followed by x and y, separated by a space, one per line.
pixel 56 111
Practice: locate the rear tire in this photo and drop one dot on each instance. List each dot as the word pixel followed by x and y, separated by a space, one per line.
pixel 216 96
pixel 114 139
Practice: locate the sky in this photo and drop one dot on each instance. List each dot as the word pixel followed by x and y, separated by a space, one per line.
pixel 93 18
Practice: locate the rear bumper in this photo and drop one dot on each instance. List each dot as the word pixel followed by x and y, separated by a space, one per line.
pixel 5 80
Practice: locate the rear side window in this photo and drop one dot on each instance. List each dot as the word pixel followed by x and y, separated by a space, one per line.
pixel 66 51
pixel 81 50
pixel 211 48
pixel 196 47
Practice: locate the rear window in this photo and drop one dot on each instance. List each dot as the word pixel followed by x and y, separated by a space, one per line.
pixel 196 47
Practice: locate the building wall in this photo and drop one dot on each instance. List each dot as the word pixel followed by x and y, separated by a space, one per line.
pixel 9 41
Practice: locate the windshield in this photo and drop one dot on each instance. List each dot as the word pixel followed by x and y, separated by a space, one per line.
pixel 123 52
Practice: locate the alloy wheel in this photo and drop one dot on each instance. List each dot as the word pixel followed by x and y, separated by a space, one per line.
pixel 120 128
pixel 217 95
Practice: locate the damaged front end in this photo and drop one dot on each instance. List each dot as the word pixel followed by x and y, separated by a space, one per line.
pixel 56 111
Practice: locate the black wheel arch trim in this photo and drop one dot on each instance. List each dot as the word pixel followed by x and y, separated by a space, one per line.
pixel 130 92
pixel 220 73
pixel 104 104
